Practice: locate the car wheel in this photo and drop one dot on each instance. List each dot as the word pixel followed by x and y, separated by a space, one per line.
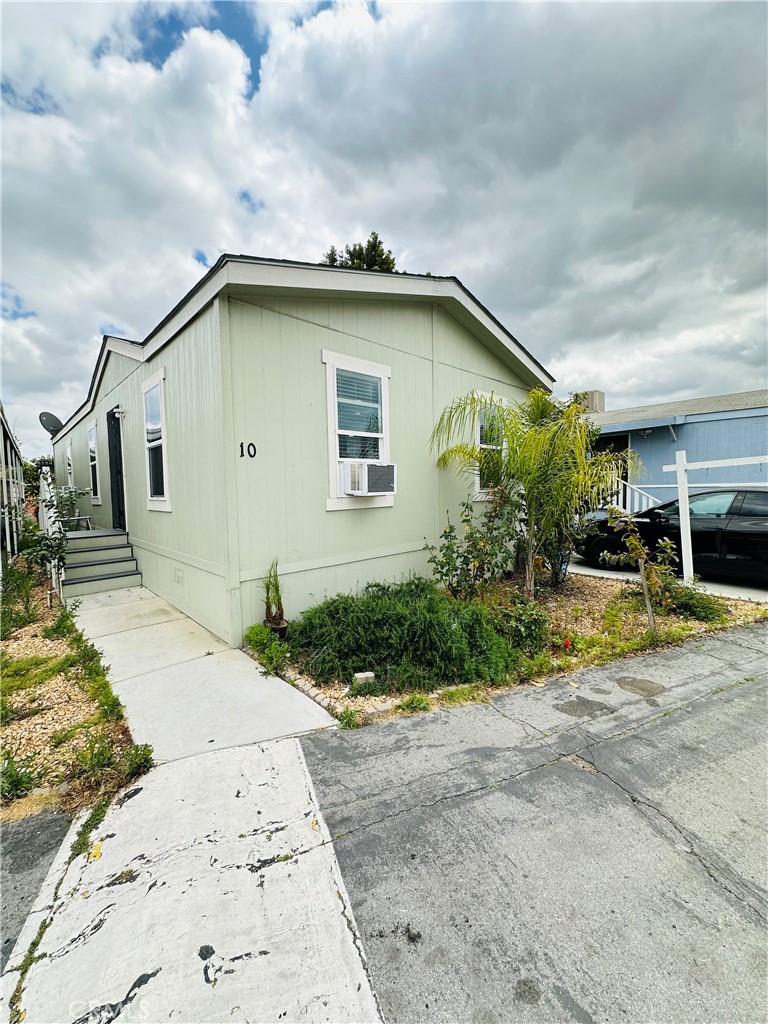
pixel 601 544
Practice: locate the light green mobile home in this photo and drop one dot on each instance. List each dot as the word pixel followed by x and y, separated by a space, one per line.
pixel 283 410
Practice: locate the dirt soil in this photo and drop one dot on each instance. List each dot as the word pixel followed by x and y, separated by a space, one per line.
pixel 45 711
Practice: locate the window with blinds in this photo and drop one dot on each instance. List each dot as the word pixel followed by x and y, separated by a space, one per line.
pixel 358 416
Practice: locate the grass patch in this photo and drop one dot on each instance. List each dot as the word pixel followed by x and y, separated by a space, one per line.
pixel 83 838
pixel 459 695
pixel 21 673
pixel 30 957
pixel 349 718
pixel 415 704
pixel 16 778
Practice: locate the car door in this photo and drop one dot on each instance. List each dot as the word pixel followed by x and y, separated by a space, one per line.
pixel 709 514
pixel 708 517
pixel 745 543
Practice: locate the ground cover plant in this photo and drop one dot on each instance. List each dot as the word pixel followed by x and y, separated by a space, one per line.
pixel 61 724
pixel 411 634
pixel 584 621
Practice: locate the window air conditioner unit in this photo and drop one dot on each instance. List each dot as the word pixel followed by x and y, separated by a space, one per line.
pixel 364 479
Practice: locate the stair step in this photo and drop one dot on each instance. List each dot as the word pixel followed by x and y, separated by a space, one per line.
pixel 81 539
pixel 100 553
pixel 104 569
pixel 100 584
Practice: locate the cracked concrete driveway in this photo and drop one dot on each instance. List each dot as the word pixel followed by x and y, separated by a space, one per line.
pixel 588 852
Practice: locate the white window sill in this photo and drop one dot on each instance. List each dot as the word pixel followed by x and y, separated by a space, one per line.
pixel 379 501
pixel 158 505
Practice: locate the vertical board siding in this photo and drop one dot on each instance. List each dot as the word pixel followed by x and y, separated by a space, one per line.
pixel 181 554
pixel 704 438
pixel 279 393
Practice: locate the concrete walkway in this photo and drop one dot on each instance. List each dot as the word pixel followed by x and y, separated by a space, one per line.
pixel 738 590
pixel 210 891
pixel 184 690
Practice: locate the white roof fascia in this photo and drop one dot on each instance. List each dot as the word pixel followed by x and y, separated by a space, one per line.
pixel 187 312
pixel 373 284
pixel 123 348
pixel 282 277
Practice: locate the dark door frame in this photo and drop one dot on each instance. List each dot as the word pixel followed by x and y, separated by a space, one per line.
pixel 116 481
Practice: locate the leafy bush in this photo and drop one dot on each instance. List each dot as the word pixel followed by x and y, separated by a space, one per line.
pixel 524 625
pixel 272 651
pixel 689 602
pixel 410 634
pixel 466 564
pixel 16 779
pixel 17 608
pixel 62 626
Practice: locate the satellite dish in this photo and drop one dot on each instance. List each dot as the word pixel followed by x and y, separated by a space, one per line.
pixel 51 423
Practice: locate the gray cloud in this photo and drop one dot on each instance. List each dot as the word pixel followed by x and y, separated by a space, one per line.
pixel 595 173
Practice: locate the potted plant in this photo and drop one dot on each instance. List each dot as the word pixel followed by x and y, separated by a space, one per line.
pixel 273 602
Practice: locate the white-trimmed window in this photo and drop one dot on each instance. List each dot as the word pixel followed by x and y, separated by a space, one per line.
pixel 93 464
pixel 155 443
pixel 70 469
pixel 486 436
pixel 358 424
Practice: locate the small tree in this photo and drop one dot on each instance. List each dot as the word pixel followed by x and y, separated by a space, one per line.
pixel 540 452
pixel 370 255
pixel 655 573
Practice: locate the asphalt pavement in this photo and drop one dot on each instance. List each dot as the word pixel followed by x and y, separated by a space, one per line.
pixel 591 851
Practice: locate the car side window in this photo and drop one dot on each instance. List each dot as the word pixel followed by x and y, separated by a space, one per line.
pixel 711 504
pixel 755 504
pixel 672 509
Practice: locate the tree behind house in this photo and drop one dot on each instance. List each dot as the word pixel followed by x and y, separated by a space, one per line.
pixel 370 255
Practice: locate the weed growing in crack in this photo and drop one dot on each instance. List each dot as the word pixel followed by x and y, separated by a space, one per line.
pixel 349 718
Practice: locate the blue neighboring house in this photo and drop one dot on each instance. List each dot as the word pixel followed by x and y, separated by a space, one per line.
pixel 720 427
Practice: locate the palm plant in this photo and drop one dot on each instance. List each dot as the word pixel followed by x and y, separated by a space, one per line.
pixel 273 597
pixel 540 452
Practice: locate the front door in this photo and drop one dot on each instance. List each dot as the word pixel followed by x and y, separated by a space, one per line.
pixel 115 443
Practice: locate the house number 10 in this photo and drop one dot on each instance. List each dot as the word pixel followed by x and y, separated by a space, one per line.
pixel 250 448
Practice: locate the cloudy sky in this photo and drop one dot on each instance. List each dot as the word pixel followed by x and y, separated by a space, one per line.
pixel 595 173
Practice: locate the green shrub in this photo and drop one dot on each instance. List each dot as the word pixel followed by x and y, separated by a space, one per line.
pixel 272 651
pixel 63 625
pixel 16 779
pixel 524 625
pixel 465 563
pixel 410 634
pixel 17 608
pixel 689 602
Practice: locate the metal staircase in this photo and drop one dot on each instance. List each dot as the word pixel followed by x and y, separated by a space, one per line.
pixel 98 560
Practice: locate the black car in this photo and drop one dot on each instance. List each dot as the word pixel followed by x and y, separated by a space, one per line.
pixel 729 533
